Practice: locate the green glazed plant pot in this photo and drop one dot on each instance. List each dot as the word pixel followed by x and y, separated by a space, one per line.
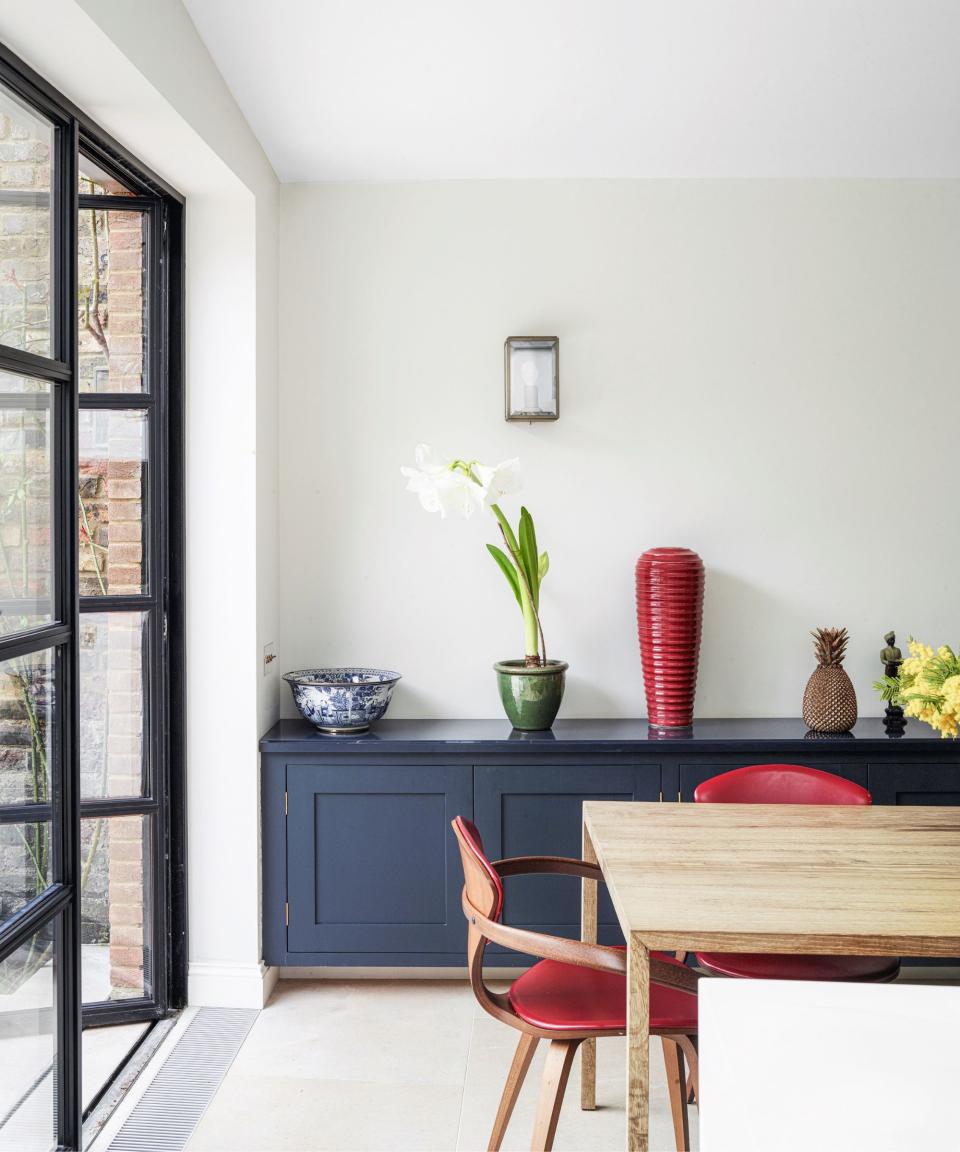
pixel 531 696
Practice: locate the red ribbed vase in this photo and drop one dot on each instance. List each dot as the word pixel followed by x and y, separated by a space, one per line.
pixel 669 621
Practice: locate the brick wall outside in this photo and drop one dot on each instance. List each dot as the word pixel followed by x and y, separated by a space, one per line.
pixel 25 690
pixel 24 238
pixel 112 562
pixel 111 544
pixel 25 511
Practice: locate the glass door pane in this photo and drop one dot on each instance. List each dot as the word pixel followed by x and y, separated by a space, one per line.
pixel 27 702
pixel 114 664
pixel 28 1044
pixel 112 494
pixel 27 730
pixel 112 316
pixel 117 912
pixel 26 864
pixel 26 503
pixel 113 455
pixel 26 155
pixel 105 1049
pixel 95 180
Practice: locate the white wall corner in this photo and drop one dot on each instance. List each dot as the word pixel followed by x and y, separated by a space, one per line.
pixel 230 985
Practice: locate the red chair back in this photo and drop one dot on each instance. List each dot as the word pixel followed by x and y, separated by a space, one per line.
pixel 779 784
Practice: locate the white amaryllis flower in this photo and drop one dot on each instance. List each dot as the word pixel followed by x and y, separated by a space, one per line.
pixel 502 480
pixel 458 487
pixel 441 487
pixel 465 486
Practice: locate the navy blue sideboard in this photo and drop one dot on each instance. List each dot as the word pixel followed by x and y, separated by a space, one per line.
pixel 360 867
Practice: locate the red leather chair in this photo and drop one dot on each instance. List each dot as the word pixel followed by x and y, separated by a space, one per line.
pixel 576 992
pixel 789 784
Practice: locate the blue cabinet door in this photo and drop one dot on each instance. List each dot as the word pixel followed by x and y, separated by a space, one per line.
pixel 918 783
pixel 536 810
pixel 372 864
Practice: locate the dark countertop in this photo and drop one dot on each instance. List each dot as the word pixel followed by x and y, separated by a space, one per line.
pixel 490 735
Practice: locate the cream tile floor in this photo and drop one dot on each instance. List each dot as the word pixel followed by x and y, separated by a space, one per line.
pixel 400 1065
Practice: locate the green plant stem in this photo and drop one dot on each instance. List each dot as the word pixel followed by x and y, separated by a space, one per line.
pixel 7 569
pixel 41 875
pixel 94 845
pixel 535 644
pixel 536 652
pixel 96 330
pixel 24 538
pixel 89 539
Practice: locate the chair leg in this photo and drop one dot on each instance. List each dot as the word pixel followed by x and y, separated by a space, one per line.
pixel 688 1045
pixel 588 1075
pixel 556 1072
pixel 511 1090
pixel 677 1085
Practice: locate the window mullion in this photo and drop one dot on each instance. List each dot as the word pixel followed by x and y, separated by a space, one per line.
pixel 69 1097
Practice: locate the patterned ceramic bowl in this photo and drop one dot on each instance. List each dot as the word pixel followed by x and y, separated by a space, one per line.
pixel 342 701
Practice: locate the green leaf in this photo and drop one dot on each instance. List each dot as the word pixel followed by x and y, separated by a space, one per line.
pixel 544 566
pixel 528 554
pixel 507 569
pixel 888 687
pixel 505 528
pixel 924 698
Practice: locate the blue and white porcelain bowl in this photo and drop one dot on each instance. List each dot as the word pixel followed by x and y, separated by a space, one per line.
pixel 342 701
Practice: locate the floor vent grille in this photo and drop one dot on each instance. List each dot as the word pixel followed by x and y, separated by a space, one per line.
pixel 164 1118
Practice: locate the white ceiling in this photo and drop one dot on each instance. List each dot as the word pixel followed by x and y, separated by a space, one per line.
pixel 453 89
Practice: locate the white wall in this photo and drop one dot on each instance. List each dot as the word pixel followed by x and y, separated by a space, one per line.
pixel 142 73
pixel 765 371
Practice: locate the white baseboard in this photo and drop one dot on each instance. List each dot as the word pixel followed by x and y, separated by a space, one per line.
pixel 224 985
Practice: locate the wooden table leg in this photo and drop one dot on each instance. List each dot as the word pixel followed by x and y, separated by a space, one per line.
pixel 638 1046
pixel 588 932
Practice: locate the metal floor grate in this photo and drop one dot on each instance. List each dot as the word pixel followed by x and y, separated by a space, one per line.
pixel 164 1117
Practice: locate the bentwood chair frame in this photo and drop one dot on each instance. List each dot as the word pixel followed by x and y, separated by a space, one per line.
pixel 482 897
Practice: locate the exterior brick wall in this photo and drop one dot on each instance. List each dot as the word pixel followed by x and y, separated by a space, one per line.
pixel 24 237
pixel 115 476
pixel 111 322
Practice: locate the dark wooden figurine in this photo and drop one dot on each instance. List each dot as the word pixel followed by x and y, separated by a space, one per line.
pixel 894 721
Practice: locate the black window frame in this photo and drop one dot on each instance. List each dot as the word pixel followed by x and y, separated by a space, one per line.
pixel 165 800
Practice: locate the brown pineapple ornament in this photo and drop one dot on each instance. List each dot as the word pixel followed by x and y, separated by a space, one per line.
pixel 830 702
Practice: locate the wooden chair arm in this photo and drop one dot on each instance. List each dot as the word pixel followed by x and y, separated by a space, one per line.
pixel 577 952
pixel 562 865
pixel 545 947
pixel 673 975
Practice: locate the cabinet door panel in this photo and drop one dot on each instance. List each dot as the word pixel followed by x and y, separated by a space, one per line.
pixel 536 810
pixel 906 783
pixel 372 865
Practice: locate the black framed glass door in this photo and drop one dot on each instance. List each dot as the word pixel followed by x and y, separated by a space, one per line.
pixel 92 917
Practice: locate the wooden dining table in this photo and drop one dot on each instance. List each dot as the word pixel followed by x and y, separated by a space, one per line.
pixel 864 880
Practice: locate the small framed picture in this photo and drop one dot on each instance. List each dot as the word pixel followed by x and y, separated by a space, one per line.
pixel 532 377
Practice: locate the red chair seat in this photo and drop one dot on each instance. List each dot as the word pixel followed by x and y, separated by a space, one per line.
pixel 566 996
pixel 772 967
